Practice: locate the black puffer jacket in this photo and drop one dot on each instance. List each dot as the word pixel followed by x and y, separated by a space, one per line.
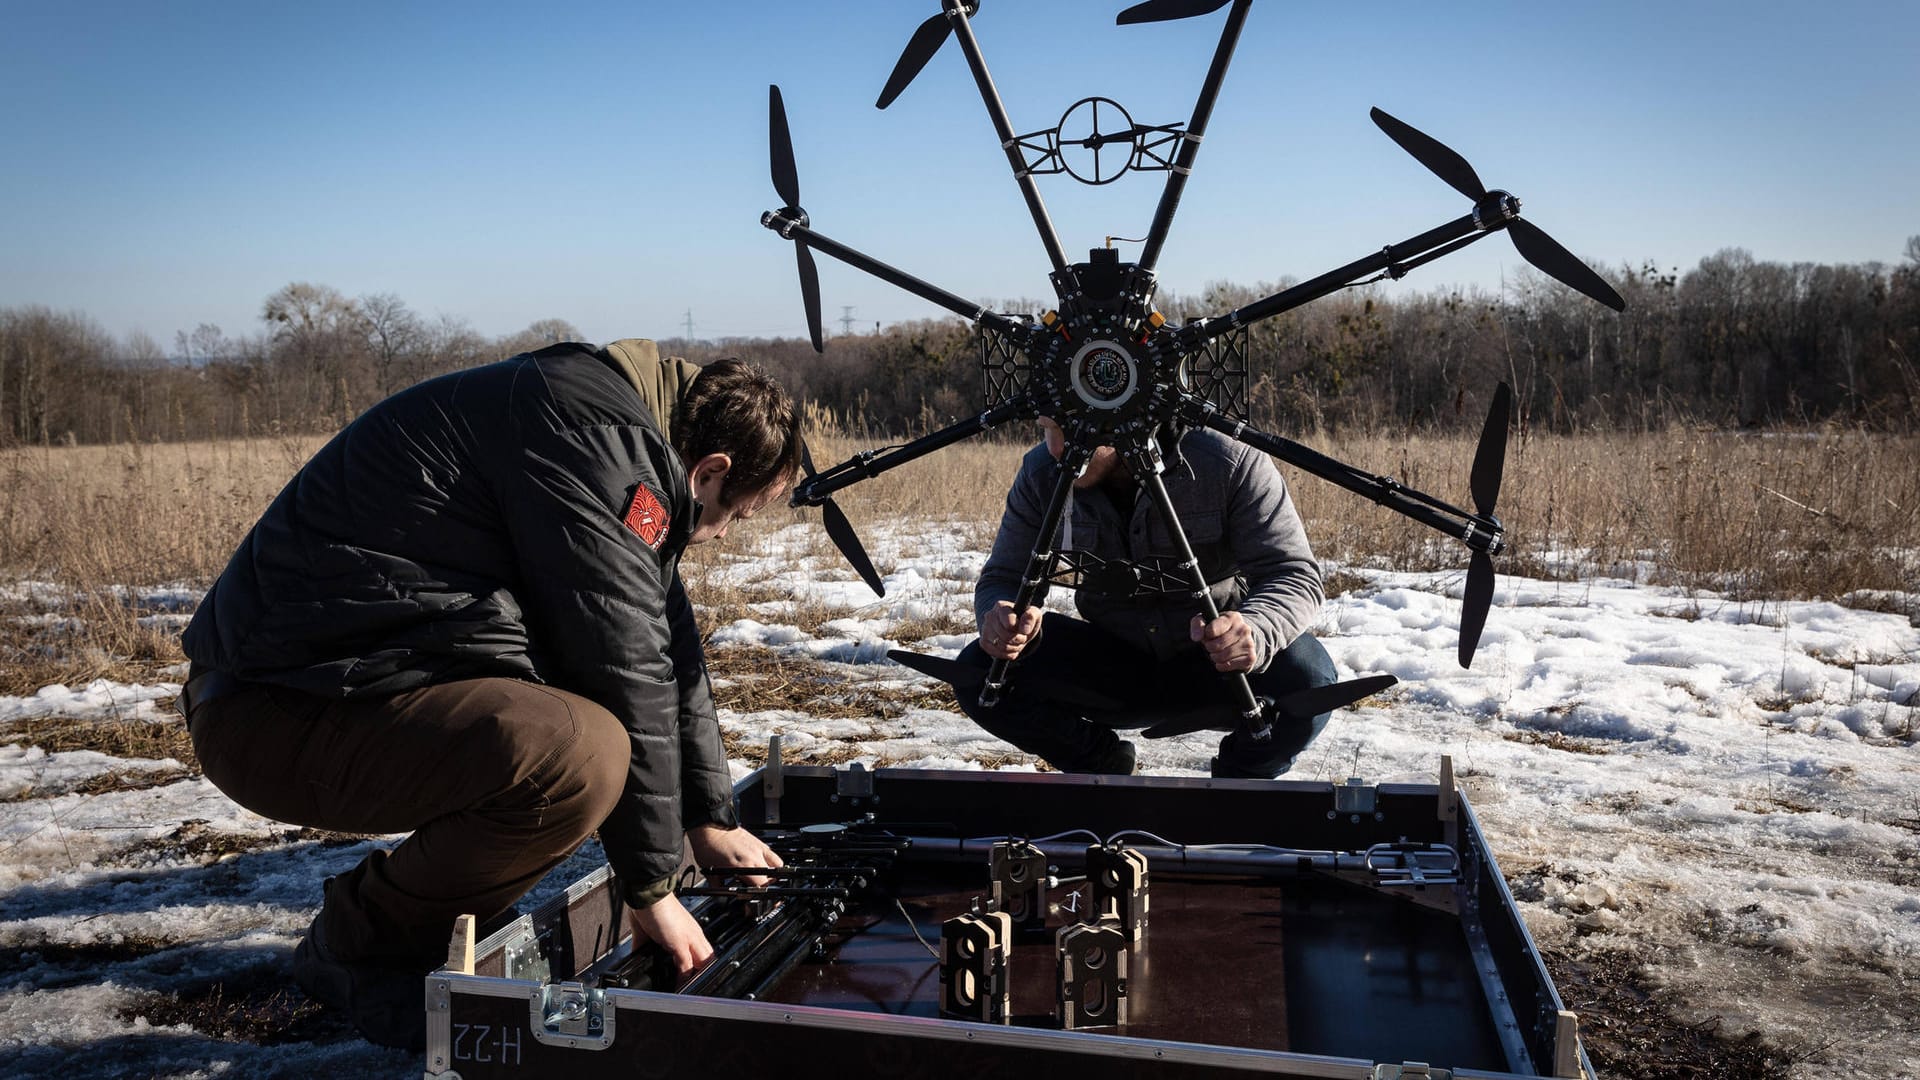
pixel 492 522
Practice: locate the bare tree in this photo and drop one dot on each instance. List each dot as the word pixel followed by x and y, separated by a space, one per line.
pixel 47 364
pixel 393 332
pixel 319 337
pixel 448 344
pixel 302 310
pixel 205 344
pixel 538 335
pixel 1734 339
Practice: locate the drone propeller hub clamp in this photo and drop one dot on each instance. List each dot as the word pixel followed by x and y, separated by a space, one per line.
pixel 1484 532
pixel 784 220
pixel 1495 209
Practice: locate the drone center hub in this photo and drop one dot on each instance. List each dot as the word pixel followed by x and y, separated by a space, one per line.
pixel 1104 374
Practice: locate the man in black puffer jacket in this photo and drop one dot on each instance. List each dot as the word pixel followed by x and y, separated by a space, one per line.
pixel 464 619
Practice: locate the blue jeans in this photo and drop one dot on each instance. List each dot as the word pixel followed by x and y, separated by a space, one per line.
pixel 1070 650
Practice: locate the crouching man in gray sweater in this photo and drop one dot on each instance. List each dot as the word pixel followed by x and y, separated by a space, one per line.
pixel 1155 653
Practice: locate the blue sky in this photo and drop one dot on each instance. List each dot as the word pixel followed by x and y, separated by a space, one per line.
pixel 168 164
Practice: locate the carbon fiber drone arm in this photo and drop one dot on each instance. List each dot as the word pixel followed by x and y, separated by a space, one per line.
pixel 1003 128
pixel 1190 139
pixel 867 464
pixel 1395 260
pixel 792 228
pixel 1479 532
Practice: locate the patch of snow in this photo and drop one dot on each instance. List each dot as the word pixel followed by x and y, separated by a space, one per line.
pixel 1727 788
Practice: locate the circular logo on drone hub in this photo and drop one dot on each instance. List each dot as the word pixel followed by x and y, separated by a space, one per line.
pixel 1103 374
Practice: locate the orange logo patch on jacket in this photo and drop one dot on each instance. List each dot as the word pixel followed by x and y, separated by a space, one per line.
pixel 647 517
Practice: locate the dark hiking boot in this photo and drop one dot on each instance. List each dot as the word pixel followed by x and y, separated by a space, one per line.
pixel 1118 761
pixel 1232 770
pixel 385 1005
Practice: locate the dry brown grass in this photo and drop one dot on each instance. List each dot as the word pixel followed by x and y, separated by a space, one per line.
pixel 137 514
pixel 1758 516
pixel 964 484
pixel 1555 740
pixel 97 635
pixel 755 679
pixel 199 841
pixel 255 1005
pixel 93 520
pixel 153 740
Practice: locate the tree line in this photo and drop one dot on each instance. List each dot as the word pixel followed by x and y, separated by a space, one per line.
pixel 1732 342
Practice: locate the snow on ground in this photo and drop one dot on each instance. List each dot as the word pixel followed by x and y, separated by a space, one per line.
pixel 98 698
pixel 1729 791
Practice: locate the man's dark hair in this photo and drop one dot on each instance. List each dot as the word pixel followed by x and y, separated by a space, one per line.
pixel 735 408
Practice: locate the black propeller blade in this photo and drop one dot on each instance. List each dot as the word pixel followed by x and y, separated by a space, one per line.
pixel 1300 705
pixel 1534 245
pixel 1489 468
pixel 786 184
pixel 809 292
pixel 920 48
pixel 1474 604
pixel 1557 262
pixel 840 531
pixel 786 177
pixel 1315 700
pixel 1490 458
pixel 1431 152
pixel 1167 10
pixel 967 676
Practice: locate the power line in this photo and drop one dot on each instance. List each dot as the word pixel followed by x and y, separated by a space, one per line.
pixel 846 319
pixel 689 324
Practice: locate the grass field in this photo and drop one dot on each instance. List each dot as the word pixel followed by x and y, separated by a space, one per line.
pixel 105 550
pixel 1759 517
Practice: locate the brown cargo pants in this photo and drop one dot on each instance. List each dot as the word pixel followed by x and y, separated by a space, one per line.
pixel 498 780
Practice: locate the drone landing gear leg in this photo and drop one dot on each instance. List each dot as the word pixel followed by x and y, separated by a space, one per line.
pixel 1073 462
pixel 1145 462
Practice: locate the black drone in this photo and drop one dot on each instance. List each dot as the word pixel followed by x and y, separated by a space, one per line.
pixel 1111 371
